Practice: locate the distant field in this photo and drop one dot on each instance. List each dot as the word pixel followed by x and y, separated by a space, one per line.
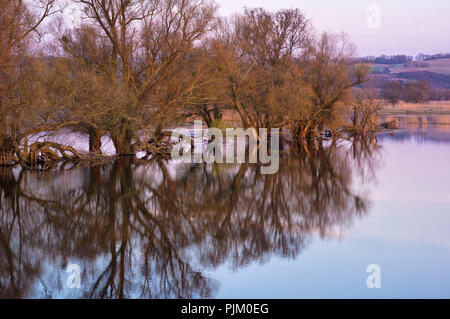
pixel 436 66
pixel 436 73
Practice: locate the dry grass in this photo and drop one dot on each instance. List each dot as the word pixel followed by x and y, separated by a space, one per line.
pixel 419 120
pixel 433 112
pixel 432 107
pixel 419 114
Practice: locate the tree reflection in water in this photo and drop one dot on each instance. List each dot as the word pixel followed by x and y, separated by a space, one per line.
pixel 151 230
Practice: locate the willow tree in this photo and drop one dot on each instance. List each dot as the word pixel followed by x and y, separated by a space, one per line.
pixel 146 37
pixel 331 75
pixel 257 57
pixel 98 99
pixel 20 24
pixel 205 91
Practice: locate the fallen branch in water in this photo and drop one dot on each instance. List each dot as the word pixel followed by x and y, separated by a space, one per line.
pixel 42 151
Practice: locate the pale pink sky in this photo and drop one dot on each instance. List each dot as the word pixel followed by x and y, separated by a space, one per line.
pixel 407 26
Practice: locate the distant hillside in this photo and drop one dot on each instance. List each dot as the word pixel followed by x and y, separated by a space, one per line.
pixel 436 66
pixel 436 72
pixel 436 80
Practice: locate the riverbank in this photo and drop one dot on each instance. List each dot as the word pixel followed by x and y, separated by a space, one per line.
pixel 427 113
pixel 425 108
pixel 417 114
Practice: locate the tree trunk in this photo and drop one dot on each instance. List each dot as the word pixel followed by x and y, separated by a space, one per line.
pixel 122 143
pixel 6 151
pixel 211 115
pixel 123 147
pixel 6 158
pixel 237 104
pixel 95 141
pixel 206 115
pixel 216 113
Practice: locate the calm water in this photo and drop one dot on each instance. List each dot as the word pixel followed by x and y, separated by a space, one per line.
pixel 170 230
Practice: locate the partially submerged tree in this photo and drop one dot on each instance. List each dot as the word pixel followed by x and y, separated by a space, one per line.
pixel 146 39
pixel 135 68
pixel 279 74
pixel 365 110
pixel 20 23
pixel 331 75
pixel 203 86
pixel 257 60
pixel 98 98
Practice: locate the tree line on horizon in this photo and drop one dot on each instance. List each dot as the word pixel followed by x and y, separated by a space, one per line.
pixel 403 59
pixel 132 68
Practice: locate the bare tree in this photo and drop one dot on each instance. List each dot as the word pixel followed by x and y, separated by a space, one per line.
pixel 147 38
pixel 257 58
pixel 134 68
pixel 20 23
pixel 365 110
pixel 416 92
pixel 330 75
pixel 393 92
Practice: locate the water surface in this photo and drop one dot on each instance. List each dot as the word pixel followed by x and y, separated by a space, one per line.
pixel 140 229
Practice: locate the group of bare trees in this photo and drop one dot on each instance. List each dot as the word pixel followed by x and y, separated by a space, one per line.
pixel 413 92
pixel 131 68
pixel 22 98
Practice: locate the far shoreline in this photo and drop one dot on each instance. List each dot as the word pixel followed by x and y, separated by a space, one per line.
pixel 423 108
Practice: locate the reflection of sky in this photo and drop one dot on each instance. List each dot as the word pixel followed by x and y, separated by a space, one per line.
pixel 407 26
pixel 414 173
pixel 406 233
